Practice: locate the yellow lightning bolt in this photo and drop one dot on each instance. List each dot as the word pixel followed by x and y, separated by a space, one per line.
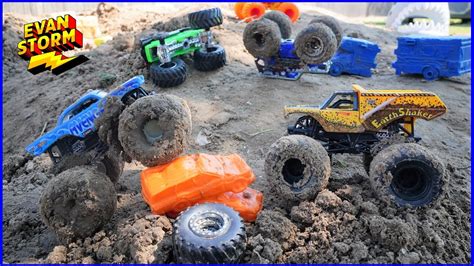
pixel 50 60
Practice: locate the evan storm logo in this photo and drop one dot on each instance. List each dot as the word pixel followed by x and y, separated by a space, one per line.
pixel 45 41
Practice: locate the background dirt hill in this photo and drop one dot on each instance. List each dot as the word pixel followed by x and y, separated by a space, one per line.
pixel 235 110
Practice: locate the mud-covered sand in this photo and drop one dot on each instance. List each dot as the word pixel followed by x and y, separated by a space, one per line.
pixel 233 110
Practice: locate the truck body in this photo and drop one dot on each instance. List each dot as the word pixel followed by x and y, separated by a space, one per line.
pixel 354 56
pixel 162 47
pixel 75 131
pixel 351 121
pixel 433 57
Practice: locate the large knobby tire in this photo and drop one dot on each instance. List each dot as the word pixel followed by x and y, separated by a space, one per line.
pixel 283 21
pixel 315 44
pixel 155 129
pixel 407 174
pixel 298 167
pixel 169 74
pixel 332 24
pixel 77 203
pixel 262 38
pixel 209 233
pixel 205 19
pixel 211 58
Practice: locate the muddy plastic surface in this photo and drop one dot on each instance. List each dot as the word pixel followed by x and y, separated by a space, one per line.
pixel 234 110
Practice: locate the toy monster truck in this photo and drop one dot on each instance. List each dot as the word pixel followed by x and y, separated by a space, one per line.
pixel 91 138
pixel 162 50
pixel 279 57
pixel 376 123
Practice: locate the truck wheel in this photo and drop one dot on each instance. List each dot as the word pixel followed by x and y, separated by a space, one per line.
pixel 155 129
pixel 298 167
pixel 77 202
pixel 430 73
pixel 407 174
pixel 262 38
pixel 209 233
pixel 205 19
pixel 169 74
pixel 315 44
pixel 336 69
pixel 283 21
pixel 332 24
pixel 208 59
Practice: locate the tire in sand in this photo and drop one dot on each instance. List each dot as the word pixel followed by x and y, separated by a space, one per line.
pixel 77 203
pixel 209 233
pixel 211 58
pixel 205 19
pixel 315 44
pixel 298 167
pixel 332 24
pixel 168 74
pixel 155 129
pixel 283 21
pixel 262 38
pixel 112 165
pixel 408 175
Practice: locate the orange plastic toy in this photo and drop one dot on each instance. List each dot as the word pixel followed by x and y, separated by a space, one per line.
pixel 192 178
pixel 247 203
pixel 250 11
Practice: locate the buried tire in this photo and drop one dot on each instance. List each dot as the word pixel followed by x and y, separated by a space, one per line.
pixel 282 20
pixel 298 167
pixel 407 174
pixel 209 233
pixel 77 203
pixel 168 74
pixel 262 38
pixel 211 58
pixel 315 44
pixel 154 130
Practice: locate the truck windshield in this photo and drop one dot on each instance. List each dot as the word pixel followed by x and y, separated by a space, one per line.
pixel 340 100
pixel 79 109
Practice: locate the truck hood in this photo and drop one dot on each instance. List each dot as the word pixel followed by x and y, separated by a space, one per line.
pixel 305 109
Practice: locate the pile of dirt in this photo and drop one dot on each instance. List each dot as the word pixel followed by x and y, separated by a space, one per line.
pixel 233 111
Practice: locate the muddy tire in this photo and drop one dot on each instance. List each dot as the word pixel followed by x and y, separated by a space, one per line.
pixel 77 203
pixel 283 21
pixel 315 44
pixel 209 59
pixel 298 167
pixel 205 19
pixel 262 38
pixel 407 174
pixel 155 129
pixel 169 74
pixel 332 24
pixel 209 233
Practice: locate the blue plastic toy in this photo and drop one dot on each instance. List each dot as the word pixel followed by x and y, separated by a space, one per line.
pixel 354 56
pixel 75 131
pixel 433 57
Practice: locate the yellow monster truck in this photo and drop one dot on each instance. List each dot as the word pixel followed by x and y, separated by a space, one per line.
pixel 376 123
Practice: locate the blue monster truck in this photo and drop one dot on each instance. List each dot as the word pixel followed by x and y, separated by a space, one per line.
pixel 277 56
pixel 354 56
pixel 433 57
pixel 75 132
pixel 92 138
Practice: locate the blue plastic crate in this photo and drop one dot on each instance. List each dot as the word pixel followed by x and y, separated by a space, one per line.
pixel 433 57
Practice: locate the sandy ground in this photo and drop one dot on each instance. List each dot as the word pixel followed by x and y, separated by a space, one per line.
pixel 237 111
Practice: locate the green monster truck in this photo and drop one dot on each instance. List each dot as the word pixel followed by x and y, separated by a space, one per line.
pixel 162 50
